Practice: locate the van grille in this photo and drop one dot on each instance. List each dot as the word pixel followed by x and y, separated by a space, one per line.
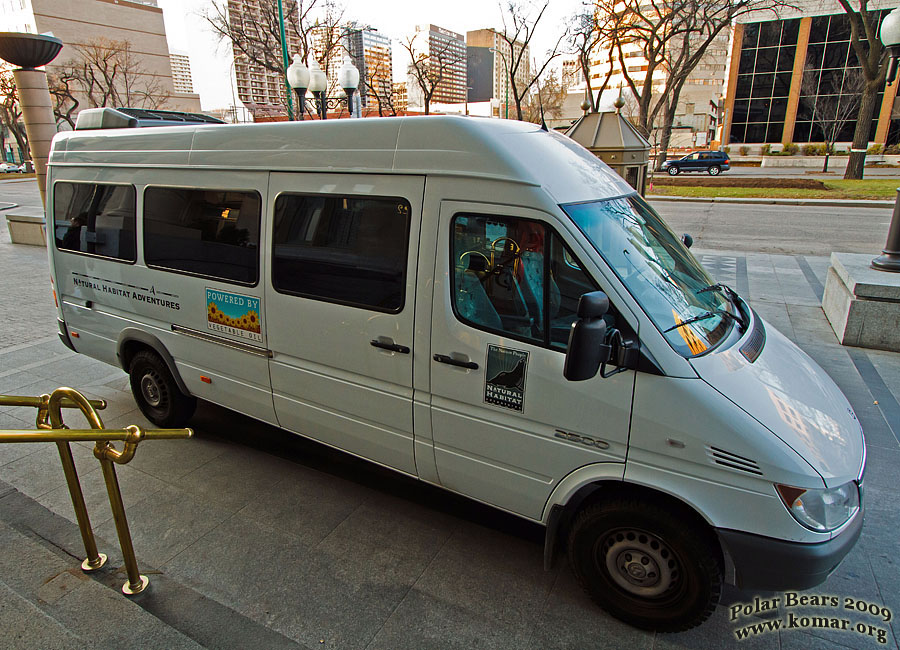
pixel 756 341
pixel 733 461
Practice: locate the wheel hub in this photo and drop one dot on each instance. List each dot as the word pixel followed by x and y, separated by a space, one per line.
pixel 639 563
pixel 150 390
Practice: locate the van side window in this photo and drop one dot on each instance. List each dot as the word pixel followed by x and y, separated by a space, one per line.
pixel 516 276
pixel 214 233
pixel 95 219
pixel 342 249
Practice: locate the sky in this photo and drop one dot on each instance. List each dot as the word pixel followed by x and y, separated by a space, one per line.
pixel 211 60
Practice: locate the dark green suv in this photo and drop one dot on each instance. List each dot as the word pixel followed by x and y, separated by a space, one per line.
pixel 711 162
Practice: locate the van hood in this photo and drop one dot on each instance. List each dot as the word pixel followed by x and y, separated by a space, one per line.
pixel 786 391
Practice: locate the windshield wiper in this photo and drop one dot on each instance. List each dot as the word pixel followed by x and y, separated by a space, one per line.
pixel 733 298
pixel 704 316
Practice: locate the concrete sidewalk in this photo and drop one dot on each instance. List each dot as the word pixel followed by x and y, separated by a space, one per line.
pixel 255 538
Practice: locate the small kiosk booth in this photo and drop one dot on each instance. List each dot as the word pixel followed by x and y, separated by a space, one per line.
pixel 613 139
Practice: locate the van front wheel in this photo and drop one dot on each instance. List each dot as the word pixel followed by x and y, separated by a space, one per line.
pixel 641 563
pixel 157 394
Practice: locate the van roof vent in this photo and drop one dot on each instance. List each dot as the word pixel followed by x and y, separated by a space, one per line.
pixel 733 461
pixel 129 118
pixel 756 341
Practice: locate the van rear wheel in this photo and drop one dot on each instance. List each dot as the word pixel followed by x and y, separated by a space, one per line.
pixel 643 564
pixel 157 394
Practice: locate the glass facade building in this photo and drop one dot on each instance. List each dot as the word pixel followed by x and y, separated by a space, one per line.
pixel 779 99
pixel 764 80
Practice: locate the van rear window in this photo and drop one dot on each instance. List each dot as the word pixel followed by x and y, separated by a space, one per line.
pixel 213 233
pixel 342 249
pixel 95 219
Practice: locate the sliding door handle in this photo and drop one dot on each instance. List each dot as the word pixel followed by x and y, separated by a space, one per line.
pixel 389 345
pixel 443 358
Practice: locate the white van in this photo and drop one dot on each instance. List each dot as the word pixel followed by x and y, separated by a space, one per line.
pixel 477 303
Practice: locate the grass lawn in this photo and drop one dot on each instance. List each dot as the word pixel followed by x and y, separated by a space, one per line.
pixel 877 189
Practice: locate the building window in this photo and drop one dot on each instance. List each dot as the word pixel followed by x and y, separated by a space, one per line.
pixel 764 80
pixel 347 250
pixel 212 233
pixel 515 277
pixel 831 86
pixel 95 219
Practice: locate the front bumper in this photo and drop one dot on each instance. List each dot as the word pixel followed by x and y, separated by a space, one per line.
pixel 770 564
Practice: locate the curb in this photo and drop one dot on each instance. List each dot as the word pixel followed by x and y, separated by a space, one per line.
pixel 837 203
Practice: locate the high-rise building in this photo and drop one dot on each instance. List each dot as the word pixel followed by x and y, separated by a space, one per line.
pixel 85 23
pixel 401 98
pixel 446 51
pixel 262 91
pixel 370 52
pixel 494 59
pixel 181 72
pixel 696 114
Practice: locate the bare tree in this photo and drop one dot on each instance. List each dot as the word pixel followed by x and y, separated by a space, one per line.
pixel 63 89
pixel 869 51
pixel 544 100
pixel 584 37
pixel 10 111
pixel 377 85
pixel 104 73
pixel 519 25
pixel 429 69
pixel 311 28
pixel 672 37
pixel 831 104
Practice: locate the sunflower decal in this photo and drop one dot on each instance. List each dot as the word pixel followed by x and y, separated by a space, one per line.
pixel 233 314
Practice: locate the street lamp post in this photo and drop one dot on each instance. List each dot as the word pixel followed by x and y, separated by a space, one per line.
pixel 312 80
pixel 506 68
pixel 889 260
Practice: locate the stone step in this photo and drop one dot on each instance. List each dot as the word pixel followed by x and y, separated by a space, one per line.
pixel 47 600
pixel 41 577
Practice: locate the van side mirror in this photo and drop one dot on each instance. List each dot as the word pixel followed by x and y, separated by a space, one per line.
pixel 586 351
pixel 687 240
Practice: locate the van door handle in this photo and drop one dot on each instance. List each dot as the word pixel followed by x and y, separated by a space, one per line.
pixel 385 345
pixel 443 358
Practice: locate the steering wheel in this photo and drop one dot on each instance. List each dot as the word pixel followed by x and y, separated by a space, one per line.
pixel 479 253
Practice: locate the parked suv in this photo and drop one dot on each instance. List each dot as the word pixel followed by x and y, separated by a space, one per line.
pixel 711 162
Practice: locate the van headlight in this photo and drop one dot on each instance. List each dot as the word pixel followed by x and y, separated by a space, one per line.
pixel 821 509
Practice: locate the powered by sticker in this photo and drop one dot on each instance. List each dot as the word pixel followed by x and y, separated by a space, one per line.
pixel 233 313
pixel 504 377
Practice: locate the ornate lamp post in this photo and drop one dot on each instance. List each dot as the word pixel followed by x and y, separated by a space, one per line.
pixel 30 51
pixel 348 78
pixel 312 80
pixel 889 260
pixel 298 78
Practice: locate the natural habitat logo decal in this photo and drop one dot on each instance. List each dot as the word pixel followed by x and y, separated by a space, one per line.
pixel 504 378
pixel 233 313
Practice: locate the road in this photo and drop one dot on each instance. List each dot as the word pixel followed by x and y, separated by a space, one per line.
pixel 781 229
pixel 835 172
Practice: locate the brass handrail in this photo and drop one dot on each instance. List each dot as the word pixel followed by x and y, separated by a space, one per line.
pixel 51 428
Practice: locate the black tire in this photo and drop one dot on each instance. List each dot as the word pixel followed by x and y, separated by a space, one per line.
pixel 714 170
pixel 673 171
pixel 157 394
pixel 645 564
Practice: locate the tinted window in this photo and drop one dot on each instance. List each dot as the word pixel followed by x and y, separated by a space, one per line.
pixel 214 233
pixel 515 276
pixel 342 249
pixel 95 219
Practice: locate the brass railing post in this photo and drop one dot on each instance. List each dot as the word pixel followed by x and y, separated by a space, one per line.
pixel 52 428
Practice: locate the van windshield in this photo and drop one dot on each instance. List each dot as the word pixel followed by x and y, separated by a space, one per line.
pixel 657 269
